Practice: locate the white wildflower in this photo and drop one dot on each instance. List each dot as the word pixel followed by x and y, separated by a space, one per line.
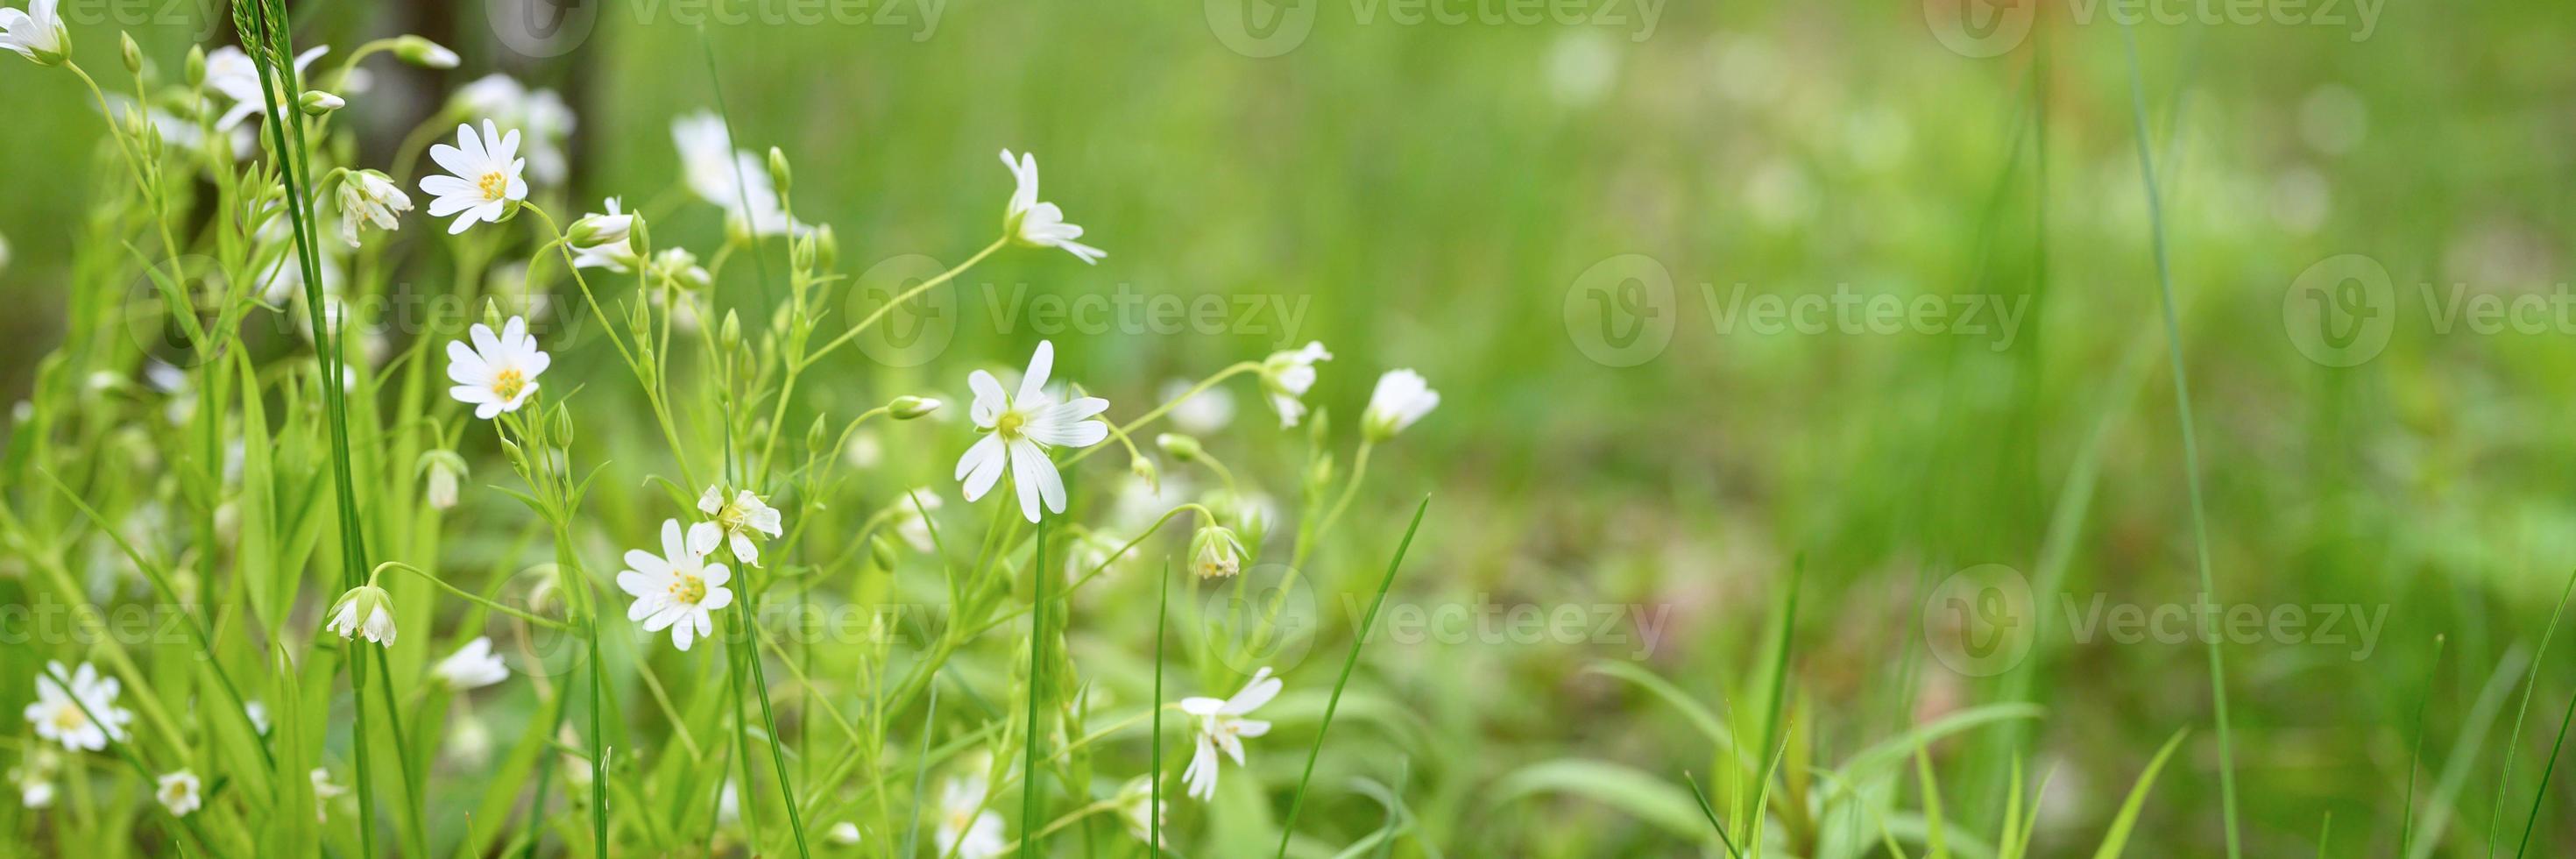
pixel 677 589
pixel 1221 726
pixel 1020 429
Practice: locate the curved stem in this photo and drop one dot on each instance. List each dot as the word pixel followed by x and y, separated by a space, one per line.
pixel 907 295
pixel 472 597
pixel 1166 408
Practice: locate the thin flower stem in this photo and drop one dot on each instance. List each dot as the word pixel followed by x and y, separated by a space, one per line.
pixel 907 295
pixel 1039 574
pixel 472 597
pixel 1166 408
pixel 1154 776
pixel 769 720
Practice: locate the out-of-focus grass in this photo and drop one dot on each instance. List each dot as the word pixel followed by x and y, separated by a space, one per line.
pixel 1435 191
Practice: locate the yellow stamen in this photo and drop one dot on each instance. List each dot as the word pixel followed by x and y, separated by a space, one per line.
pixel 688 589
pixel 1009 424
pixel 493 185
pixel 508 383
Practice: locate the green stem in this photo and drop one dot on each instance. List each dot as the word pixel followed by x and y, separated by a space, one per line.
pixel 1349 662
pixel 472 597
pixel 907 295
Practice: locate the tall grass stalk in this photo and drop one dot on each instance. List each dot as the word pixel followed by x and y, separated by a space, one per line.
pixel 1350 661
pixel 2190 444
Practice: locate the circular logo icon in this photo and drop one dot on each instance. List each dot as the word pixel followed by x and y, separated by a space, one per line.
pixel 1620 312
pixel 2340 311
pixel 1262 618
pixel 1981 621
pixel 910 332
pixel 541 28
pixel 156 305
pixel 1978 29
pixel 1261 28
pixel 539 651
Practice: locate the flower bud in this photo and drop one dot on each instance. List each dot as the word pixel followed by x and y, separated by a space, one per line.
pixel 1215 553
pixel 319 103
pixel 778 172
pixel 424 53
pixel 908 407
pixel 827 249
pixel 1145 470
pixel 443 468
pixel 131 53
pixel 636 242
pixel 729 334
pixel 818 437
pixel 196 67
pixel 1181 447
pixel 597 230
pixel 365 611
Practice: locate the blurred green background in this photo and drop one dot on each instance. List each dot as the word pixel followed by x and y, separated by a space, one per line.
pixel 1434 194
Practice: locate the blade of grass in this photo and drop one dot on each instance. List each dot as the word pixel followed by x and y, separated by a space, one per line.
pixel 921 776
pixel 2190 443
pixel 2117 838
pixel 2543 791
pixel 1349 662
pixel 2530 684
pixel 1711 813
pixel 2415 759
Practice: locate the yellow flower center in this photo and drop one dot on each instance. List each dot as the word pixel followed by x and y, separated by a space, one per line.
pixel 1009 424
pixel 493 185
pixel 70 718
pixel 688 589
pixel 508 383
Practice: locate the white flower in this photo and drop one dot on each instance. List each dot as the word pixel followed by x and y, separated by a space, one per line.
pixel 178 793
pixel 485 177
pixel 368 197
pixel 735 522
pixel 36 33
pixel 678 589
pixel 35 777
pixel 323 792
pixel 541 113
pixel 1019 430
pixel 473 666
pixel 1287 376
pixel 1400 399
pixel 365 611
pixel 232 74
pixel 58 714
pixel 680 267
pixel 734 180
pixel 1202 413
pixel 1037 224
pixel 911 525
pixel 496 374
pixel 1221 726
pixel 966 830
pixel 603 242
pixel 258 715
pixel 1138 810
pixel 843 833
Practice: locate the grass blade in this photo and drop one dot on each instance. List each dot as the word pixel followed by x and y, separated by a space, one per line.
pixel 2190 444
pixel 2117 839
pixel 1358 637
pixel 1711 813
pixel 2530 684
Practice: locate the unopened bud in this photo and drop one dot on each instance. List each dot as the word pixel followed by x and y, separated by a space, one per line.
pixel 1181 447
pixel 318 103
pixel 778 172
pixel 131 53
pixel 196 67
pixel 907 407
pixel 423 52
